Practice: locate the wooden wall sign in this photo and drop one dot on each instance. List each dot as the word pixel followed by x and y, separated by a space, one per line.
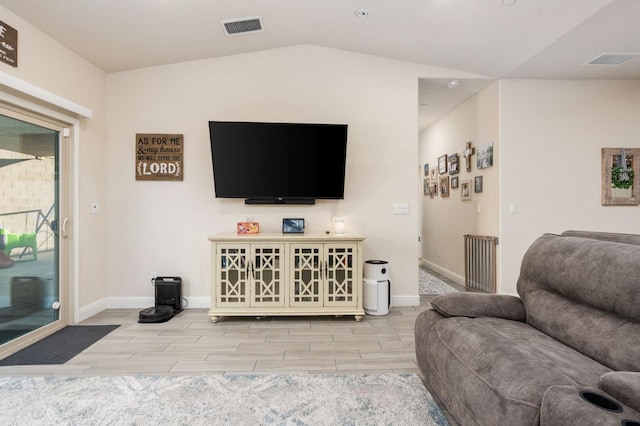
pixel 159 156
pixel 8 45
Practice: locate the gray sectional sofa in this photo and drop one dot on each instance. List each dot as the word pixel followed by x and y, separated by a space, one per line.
pixel 566 352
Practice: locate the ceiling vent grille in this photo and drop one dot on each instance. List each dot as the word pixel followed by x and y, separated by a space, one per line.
pixel 612 59
pixel 239 26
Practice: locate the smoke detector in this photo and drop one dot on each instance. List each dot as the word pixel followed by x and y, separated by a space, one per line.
pixel 361 13
pixel 252 24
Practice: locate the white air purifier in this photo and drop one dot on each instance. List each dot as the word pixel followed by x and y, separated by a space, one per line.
pixel 377 287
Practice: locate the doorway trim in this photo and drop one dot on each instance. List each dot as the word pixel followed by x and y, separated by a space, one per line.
pixel 31 98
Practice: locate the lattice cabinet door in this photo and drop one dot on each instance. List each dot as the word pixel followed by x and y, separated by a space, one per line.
pixel 340 275
pixel 232 276
pixel 267 274
pixel 305 275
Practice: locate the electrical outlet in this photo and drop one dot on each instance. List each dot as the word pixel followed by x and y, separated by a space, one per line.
pixel 153 276
pixel 95 207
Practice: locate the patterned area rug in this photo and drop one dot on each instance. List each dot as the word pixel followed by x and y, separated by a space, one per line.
pixel 432 285
pixel 371 399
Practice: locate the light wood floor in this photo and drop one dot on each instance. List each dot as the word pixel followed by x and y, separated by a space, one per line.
pixel 191 344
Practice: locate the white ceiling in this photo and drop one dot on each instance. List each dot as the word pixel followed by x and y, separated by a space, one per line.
pixel 530 39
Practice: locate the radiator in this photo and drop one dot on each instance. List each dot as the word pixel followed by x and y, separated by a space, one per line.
pixel 480 263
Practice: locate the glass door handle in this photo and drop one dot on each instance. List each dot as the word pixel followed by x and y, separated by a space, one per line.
pixel 64 227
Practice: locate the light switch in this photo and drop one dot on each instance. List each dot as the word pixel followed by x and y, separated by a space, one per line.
pixel 513 208
pixel 95 207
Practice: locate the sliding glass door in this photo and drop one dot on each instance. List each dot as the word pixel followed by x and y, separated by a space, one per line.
pixel 30 225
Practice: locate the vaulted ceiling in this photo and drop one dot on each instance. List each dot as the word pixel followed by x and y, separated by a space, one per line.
pixel 490 38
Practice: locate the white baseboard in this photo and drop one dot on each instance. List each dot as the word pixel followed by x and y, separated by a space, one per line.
pixel 130 302
pixel 202 302
pixel 105 303
pixel 92 309
pixel 458 279
pixel 405 300
pixel 198 302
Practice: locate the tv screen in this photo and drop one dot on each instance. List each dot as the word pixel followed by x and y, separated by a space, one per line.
pixel 278 162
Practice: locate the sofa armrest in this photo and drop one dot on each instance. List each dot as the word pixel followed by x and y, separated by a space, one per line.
pixel 623 386
pixel 474 305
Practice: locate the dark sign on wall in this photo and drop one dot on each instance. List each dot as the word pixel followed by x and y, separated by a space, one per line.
pixel 159 156
pixel 8 44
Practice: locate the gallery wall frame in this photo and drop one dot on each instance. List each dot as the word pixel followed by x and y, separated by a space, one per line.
pixel 433 189
pixel 454 182
pixel 442 164
pixel 444 186
pixel 465 190
pixel 620 176
pixel 484 156
pixel 477 184
pixel 454 164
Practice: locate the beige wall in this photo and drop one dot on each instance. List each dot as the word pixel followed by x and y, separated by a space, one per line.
pixel 547 137
pixel 150 227
pixel 446 219
pixel 548 164
pixel 552 133
pixel 47 64
pixel 162 227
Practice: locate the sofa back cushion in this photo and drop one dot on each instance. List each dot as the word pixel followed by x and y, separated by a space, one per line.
pixel 585 293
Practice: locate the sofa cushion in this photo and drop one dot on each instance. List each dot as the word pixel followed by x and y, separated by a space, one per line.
pixel 585 293
pixel 605 236
pixel 474 305
pixel 563 406
pixel 623 386
pixel 500 369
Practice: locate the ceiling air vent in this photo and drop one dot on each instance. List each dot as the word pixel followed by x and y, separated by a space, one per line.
pixel 238 26
pixel 612 59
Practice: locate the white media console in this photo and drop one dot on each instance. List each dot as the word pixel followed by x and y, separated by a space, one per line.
pixel 286 274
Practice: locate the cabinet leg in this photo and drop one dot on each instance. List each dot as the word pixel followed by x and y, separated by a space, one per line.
pixel 358 318
pixel 215 319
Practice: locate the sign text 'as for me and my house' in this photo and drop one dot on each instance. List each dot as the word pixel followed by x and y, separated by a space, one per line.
pixel 8 44
pixel 159 156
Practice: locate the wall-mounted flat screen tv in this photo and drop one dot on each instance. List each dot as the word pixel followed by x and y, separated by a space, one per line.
pixel 278 163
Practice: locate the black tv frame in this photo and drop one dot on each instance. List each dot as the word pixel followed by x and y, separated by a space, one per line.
pixel 296 201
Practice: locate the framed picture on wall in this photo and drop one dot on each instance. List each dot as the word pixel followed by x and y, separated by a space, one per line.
pixel 426 169
pixel 442 164
pixel 454 182
pixel 453 164
pixel 484 157
pixel 620 176
pixel 444 186
pixel 433 189
pixel 478 184
pixel 465 190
